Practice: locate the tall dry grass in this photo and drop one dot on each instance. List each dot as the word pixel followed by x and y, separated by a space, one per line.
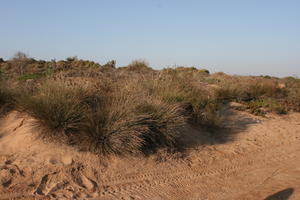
pixel 133 109
pixel 7 97
pixel 104 119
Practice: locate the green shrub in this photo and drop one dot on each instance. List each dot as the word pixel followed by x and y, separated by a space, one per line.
pixel 29 76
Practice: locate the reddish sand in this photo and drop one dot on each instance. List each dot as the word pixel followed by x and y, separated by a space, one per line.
pixel 260 161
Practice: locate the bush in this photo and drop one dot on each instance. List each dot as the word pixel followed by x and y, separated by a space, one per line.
pixel 199 103
pixel 90 118
pixel 125 127
pixel 111 132
pixel 57 106
pixel 138 66
pixel 259 88
pixel 228 93
pixel 133 109
pixel 7 98
pixel 293 99
pixel 261 106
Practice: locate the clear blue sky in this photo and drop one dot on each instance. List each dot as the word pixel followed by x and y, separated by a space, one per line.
pixel 237 37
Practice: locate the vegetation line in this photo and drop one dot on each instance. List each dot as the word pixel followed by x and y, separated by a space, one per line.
pixel 132 109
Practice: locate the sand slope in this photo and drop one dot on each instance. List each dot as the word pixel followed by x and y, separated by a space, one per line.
pixel 260 160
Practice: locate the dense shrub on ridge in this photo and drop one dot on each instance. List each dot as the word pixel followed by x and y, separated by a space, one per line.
pixel 133 109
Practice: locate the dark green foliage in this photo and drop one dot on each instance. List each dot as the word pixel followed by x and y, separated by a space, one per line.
pixel 29 76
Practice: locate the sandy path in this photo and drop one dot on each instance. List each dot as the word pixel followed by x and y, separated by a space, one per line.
pixel 262 160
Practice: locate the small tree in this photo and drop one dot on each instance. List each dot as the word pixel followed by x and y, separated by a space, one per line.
pixel 20 56
pixel 71 59
pixel 111 63
pixel 20 60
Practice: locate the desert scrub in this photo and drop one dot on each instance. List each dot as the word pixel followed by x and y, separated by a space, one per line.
pixel 267 88
pixel 262 106
pixel 137 66
pixel 164 123
pixel 127 125
pixel 293 99
pixel 199 103
pixel 103 118
pixel 129 120
pixel 57 106
pixel 7 97
pixel 228 93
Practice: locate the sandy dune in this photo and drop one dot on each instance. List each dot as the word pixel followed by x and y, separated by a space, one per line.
pixel 261 160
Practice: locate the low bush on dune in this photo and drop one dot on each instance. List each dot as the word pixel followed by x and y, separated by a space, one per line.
pixel 120 128
pixel 7 97
pixel 199 103
pixel 261 106
pixel 260 94
pixel 133 109
pixel 107 123
pixel 56 105
pixel 246 89
pixel 292 100
pixel 136 67
pixel 292 85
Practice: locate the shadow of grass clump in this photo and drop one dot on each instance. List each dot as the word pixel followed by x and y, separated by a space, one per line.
pixel 281 195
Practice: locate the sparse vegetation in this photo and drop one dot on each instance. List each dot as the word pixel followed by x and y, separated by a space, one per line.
pixel 131 109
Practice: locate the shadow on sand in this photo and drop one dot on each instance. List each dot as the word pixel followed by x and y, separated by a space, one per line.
pixel 234 123
pixel 281 195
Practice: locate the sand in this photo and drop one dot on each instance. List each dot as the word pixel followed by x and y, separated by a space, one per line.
pixel 260 160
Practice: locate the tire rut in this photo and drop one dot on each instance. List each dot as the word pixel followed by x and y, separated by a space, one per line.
pixel 152 180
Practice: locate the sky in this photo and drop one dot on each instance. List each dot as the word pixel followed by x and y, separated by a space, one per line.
pixel 245 37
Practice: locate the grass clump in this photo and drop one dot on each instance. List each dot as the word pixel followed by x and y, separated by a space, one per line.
pixel 7 97
pixel 260 94
pixel 199 104
pixel 125 127
pixel 118 122
pixel 57 106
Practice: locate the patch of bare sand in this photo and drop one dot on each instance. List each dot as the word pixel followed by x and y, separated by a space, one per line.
pixel 259 159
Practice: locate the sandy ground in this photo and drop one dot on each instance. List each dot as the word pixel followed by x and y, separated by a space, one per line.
pixel 260 160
